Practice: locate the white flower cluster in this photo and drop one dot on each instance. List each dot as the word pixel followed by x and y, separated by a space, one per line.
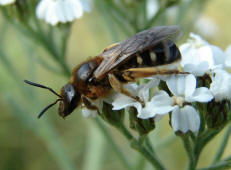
pixel 58 11
pixel 198 58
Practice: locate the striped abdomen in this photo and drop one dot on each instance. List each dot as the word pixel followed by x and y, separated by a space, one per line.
pixel 163 53
pixel 160 54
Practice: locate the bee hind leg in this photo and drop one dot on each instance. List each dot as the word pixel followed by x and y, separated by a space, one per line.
pixel 136 73
pixel 118 87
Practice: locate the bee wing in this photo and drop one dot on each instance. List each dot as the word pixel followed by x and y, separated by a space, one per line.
pixel 117 54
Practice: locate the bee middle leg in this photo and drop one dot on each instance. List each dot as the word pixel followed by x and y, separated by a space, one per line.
pixel 89 105
pixel 118 87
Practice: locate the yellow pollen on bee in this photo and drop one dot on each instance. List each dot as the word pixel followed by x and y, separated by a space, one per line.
pixel 152 56
pixel 139 59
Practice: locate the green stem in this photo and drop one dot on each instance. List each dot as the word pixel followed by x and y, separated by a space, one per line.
pixel 40 38
pixel 149 144
pixel 219 166
pixel 121 21
pixel 228 158
pixel 144 11
pixel 202 141
pixel 141 149
pixel 112 144
pixel 188 147
pixel 223 145
pixel 154 18
pixel 140 163
pixel 166 141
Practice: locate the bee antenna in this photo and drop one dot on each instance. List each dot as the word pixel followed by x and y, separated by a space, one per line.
pixel 42 86
pixel 46 108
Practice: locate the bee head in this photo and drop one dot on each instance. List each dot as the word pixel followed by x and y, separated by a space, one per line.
pixel 68 99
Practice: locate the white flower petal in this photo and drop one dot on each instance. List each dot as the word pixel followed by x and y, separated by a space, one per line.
pixel 206 54
pixel 145 113
pixel 218 55
pixel 190 85
pixel 88 113
pixel 42 8
pixel 86 5
pixel 197 69
pixel 202 94
pixel 6 2
pixel 182 85
pixel 160 104
pixel 132 87
pixel 143 90
pixel 197 40
pixel 121 102
pixel 221 85
pixel 172 83
pixel 185 119
pixel 228 57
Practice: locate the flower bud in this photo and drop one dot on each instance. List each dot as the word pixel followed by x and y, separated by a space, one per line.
pixel 217 114
pixel 142 126
pixel 113 117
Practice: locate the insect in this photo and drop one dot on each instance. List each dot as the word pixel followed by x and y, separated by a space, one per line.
pixel 147 53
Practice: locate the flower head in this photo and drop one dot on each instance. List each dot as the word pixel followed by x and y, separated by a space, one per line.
pixel 184 116
pixel 199 57
pixel 55 11
pixel 160 103
pixel 122 101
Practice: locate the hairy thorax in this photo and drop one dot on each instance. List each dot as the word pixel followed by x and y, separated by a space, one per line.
pixel 84 83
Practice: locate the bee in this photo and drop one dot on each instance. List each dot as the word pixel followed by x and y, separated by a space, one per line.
pixel 150 52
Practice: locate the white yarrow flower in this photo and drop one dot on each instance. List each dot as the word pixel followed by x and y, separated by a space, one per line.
pixel 60 11
pixel 183 87
pixel 158 105
pixel 199 57
pixel 6 2
pixel 185 119
pixel 122 101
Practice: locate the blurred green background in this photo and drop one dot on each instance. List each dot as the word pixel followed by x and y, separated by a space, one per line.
pixel 77 143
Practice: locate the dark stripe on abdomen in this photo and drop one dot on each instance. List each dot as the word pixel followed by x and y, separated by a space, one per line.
pixel 159 55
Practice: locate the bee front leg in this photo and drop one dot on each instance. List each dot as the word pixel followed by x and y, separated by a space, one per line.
pixel 118 87
pixel 89 105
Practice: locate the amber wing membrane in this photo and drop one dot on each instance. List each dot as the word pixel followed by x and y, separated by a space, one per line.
pixel 114 56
